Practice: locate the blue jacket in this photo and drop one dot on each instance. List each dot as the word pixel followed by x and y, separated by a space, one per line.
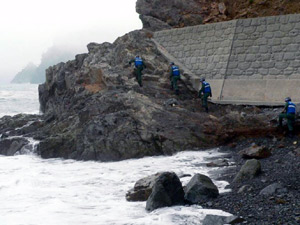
pixel 138 61
pixel 175 71
pixel 206 87
pixel 291 108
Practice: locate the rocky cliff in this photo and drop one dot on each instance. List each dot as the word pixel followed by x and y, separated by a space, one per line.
pixel 163 14
pixel 94 109
pixel 97 111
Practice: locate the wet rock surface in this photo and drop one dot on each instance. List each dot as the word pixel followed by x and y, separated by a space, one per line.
pixel 142 188
pixel 167 191
pixel 10 147
pixel 200 189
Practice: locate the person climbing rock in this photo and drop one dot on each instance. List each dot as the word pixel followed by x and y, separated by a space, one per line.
pixel 139 66
pixel 174 77
pixel 289 113
pixel 204 93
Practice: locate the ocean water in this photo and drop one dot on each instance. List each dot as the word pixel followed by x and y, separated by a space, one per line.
pixel 35 191
pixel 19 98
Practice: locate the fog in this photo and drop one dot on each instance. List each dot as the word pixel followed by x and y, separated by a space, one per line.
pixel 29 28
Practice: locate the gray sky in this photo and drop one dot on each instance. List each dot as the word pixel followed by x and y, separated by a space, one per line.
pixel 30 27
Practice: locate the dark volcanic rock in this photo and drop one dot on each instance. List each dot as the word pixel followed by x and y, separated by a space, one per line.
pixel 218 163
pixel 272 189
pixel 256 152
pixel 142 188
pixel 171 12
pixel 153 24
pixel 249 170
pixel 167 191
pixel 199 189
pixel 10 147
pixel 221 220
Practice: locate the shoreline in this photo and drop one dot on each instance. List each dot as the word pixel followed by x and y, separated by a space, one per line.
pixel 245 200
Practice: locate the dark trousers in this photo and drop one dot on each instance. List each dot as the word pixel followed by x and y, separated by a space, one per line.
pixel 138 74
pixel 290 120
pixel 174 81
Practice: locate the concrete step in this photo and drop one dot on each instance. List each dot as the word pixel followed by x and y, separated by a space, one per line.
pixel 243 102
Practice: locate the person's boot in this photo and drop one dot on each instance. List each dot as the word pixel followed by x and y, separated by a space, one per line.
pixel 290 134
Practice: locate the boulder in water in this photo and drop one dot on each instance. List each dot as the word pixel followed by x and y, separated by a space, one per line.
pixel 142 188
pixel 10 147
pixel 167 191
pixel 200 189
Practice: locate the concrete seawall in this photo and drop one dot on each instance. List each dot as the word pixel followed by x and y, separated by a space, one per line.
pixel 255 61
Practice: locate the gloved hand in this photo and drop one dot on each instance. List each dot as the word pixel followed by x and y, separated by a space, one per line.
pixel 210 95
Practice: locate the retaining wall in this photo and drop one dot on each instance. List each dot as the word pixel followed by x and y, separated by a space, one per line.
pixel 249 60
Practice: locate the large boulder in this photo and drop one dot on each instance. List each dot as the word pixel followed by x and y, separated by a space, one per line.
pixel 167 191
pixel 221 220
pixel 142 188
pixel 273 189
pixel 249 170
pixel 256 152
pixel 199 189
pixel 10 147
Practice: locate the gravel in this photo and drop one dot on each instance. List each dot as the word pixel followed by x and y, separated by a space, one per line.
pixel 282 167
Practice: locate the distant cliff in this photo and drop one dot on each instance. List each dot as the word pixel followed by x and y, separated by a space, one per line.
pixel 25 75
pixel 36 74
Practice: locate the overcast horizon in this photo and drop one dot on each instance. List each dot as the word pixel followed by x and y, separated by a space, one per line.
pixel 31 27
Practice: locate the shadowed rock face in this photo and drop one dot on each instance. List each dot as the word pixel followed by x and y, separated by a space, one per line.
pixel 100 112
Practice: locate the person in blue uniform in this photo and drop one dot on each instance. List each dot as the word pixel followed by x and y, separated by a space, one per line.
pixel 139 66
pixel 174 77
pixel 204 93
pixel 288 113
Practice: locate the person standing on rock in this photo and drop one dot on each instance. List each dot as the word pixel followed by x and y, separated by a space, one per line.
pixel 204 93
pixel 139 66
pixel 289 113
pixel 174 77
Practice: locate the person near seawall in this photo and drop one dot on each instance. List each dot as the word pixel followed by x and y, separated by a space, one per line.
pixel 289 113
pixel 174 77
pixel 204 93
pixel 139 66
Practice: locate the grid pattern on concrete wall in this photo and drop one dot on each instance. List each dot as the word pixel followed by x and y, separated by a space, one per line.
pixel 205 49
pixel 266 48
pixel 259 48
